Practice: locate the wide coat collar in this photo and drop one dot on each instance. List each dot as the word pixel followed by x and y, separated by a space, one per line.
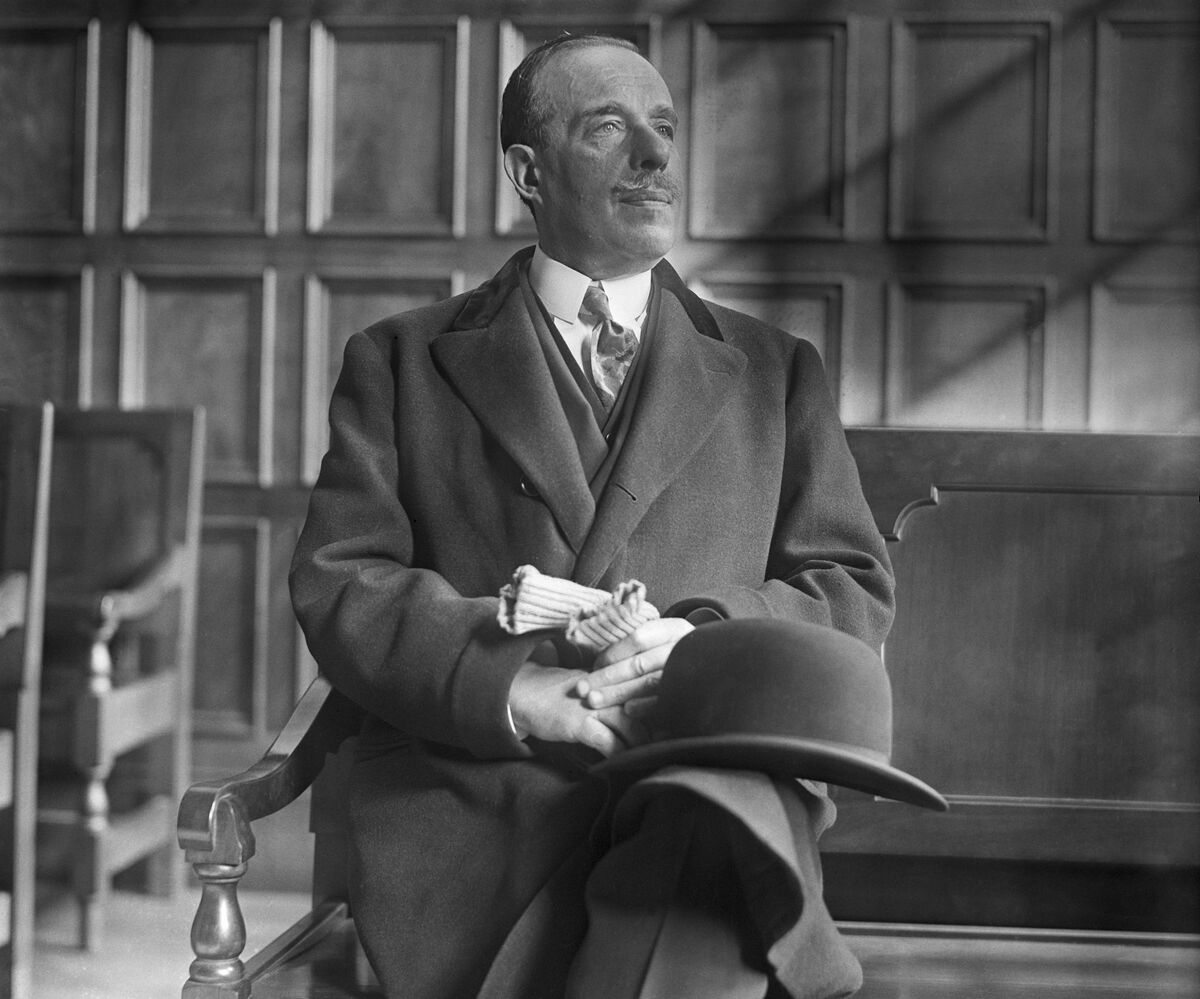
pixel 492 357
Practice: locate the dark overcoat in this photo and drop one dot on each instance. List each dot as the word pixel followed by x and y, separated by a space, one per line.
pixel 450 464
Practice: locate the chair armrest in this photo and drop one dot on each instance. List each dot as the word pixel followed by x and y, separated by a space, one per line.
pixel 102 611
pixel 215 816
pixel 214 830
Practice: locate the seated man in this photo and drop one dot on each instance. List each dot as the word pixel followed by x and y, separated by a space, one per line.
pixel 584 413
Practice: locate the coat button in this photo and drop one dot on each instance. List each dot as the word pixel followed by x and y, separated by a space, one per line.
pixel 528 490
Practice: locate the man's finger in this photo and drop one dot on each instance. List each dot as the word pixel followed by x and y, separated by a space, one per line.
pixel 619 693
pixel 629 730
pixel 599 736
pixel 639 707
pixel 640 664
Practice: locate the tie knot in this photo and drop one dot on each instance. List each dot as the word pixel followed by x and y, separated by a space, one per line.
pixel 595 306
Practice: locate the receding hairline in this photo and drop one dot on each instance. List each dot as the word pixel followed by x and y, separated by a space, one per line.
pixel 527 77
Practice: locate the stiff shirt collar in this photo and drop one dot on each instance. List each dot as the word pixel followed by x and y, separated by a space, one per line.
pixel 561 289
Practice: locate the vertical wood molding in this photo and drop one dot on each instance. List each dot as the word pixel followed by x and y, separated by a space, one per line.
pixel 320 115
pixel 262 628
pixel 314 391
pixel 266 389
pixel 462 62
pixel 87 329
pixel 273 86
pixel 91 127
pixel 138 99
pixel 132 344
pixel 508 208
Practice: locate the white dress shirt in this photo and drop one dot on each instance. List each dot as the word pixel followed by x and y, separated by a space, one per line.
pixel 561 290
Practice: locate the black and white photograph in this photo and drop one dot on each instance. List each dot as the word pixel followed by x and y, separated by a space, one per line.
pixel 599 499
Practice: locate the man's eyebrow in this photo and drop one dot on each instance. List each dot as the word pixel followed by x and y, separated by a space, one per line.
pixel 664 111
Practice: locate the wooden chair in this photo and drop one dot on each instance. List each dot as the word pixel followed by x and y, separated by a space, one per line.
pixel 318 956
pixel 25 446
pixel 114 753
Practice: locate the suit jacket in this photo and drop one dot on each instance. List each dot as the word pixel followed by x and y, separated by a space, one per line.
pixel 450 464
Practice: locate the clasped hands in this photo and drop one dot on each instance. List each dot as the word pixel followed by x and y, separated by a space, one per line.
pixel 606 708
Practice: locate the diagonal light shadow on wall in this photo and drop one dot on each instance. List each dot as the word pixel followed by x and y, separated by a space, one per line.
pixel 926 256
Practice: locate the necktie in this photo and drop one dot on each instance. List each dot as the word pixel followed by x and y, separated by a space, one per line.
pixel 613 346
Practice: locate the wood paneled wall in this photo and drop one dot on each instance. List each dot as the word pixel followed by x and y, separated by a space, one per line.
pixel 984 215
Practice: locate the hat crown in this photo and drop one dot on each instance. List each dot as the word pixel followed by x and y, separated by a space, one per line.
pixel 776 678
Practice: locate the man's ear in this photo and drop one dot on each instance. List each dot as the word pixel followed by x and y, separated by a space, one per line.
pixel 520 163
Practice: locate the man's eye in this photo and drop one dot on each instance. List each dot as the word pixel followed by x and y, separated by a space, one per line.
pixel 607 128
pixel 667 131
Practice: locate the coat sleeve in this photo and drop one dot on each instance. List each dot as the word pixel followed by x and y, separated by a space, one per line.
pixel 828 563
pixel 397 639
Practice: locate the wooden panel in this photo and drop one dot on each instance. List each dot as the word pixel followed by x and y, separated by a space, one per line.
pixel 1148 147
pixel 45 337
pixel 964 355
pixel 519 36
pixel 203 128
pixel 387 115
pixel 229 696
pixel 1144 364
pixel 973 144
pixel 337 307
pixel 809 307
pixel 48 89
pixel 770 120
pixel 205 339
pixel 1064 678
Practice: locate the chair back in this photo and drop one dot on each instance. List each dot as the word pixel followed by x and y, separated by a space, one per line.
pixel 120 494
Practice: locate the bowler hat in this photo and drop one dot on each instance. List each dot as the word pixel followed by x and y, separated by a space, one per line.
pixel 783 697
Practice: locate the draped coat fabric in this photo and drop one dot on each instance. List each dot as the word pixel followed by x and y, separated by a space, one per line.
pixel 451 463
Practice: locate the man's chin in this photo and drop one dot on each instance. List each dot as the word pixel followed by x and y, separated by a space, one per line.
pixel 650 243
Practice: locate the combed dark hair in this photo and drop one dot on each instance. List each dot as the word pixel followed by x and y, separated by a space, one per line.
pixel 523 107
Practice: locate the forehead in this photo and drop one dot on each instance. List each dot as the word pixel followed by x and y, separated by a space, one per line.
pixel 579 79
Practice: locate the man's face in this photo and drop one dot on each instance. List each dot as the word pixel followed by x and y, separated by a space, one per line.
pixel 608 186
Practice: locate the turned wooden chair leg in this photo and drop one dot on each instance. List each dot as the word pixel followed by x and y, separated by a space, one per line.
pixel 90 879
pixel 218 936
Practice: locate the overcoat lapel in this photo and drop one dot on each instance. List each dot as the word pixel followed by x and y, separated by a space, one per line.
pixel 494 360
pixel 689 376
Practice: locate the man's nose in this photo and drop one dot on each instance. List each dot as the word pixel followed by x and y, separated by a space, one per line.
pixel 651 149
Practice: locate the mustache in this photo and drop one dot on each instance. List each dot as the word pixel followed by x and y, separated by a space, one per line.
pixel 659 183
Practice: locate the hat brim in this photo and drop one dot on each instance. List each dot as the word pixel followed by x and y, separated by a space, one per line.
pixel 812 759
